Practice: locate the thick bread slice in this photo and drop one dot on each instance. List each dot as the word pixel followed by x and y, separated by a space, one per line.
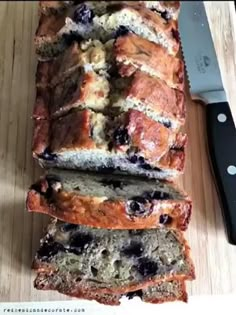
pixel 134 52
pixel 108 201
pixel 130 143
pixel 55 33
pixel 119 261
pixel 151 96
pixel 163 292
pixel 167 9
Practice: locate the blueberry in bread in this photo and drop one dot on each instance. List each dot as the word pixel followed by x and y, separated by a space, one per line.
pixel 109 201
pixel 131 143
pixel 64 283
pixel 108 261
pixel 55 33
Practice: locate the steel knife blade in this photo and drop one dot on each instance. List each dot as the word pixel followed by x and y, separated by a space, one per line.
pixel 206 84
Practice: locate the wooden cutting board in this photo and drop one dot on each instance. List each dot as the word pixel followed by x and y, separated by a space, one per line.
pixel 20 231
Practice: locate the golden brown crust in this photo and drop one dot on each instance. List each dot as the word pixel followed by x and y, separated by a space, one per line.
pixel 158 24
pixel 149 136
pixel 41 139
pixel 110 214
pixel 49 26
pixel 79 90
pixel 42 101
pixel 157 96
pixel 136 52
pixel 50 73
pixel 72 132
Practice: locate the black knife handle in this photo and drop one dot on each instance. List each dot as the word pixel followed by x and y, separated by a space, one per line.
pixel 222 148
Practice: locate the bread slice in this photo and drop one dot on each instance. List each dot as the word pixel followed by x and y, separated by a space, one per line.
pixel 108 201
pixel 131 143
pixel 167 291
pixel 151 96
pixel 167 9
pixel 108 261
pixel 133 52
pixel 55 33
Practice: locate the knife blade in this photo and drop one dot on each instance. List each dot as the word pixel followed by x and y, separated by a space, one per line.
pixel 206 84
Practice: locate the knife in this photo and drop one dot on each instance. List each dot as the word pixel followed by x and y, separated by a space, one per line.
pixel 206 84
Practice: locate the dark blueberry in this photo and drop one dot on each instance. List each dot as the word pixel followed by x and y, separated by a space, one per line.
pixel 47 155
pixel 165 15
pixel 37 187
pixel 147 267
pixel 106 170
pixel 141 160
pixel 49 249
pixel 147 195
pixel 68 227
pixel 131 295
pixel 160 195
pixel 134 249
pixel 79 241
pixel 121 31
pixel 52 179
pixel 139 199
pixel 175 34
pixel 146 166
pixel 94 271
pixel 133 159
pixel 111 182
pixel 135 206
pixel 121 136
pixel 157 169
pixel 165 219
pixel 139 209
pixel 83 14
pixel 135 232
pixel 167 124
pixel 71 37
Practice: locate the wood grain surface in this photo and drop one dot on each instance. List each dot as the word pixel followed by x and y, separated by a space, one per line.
pixel 20 231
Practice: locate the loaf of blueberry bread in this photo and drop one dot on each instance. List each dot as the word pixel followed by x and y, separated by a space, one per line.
pixel 55 32
pixel 131 143
pixel 113 261
pixel 110 201
pixel 167 291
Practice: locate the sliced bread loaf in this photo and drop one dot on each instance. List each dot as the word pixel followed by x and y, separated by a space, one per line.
pixel 108 201
pixel 64 283
pixel 109 261
pixel 55 33
pixel 131 143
